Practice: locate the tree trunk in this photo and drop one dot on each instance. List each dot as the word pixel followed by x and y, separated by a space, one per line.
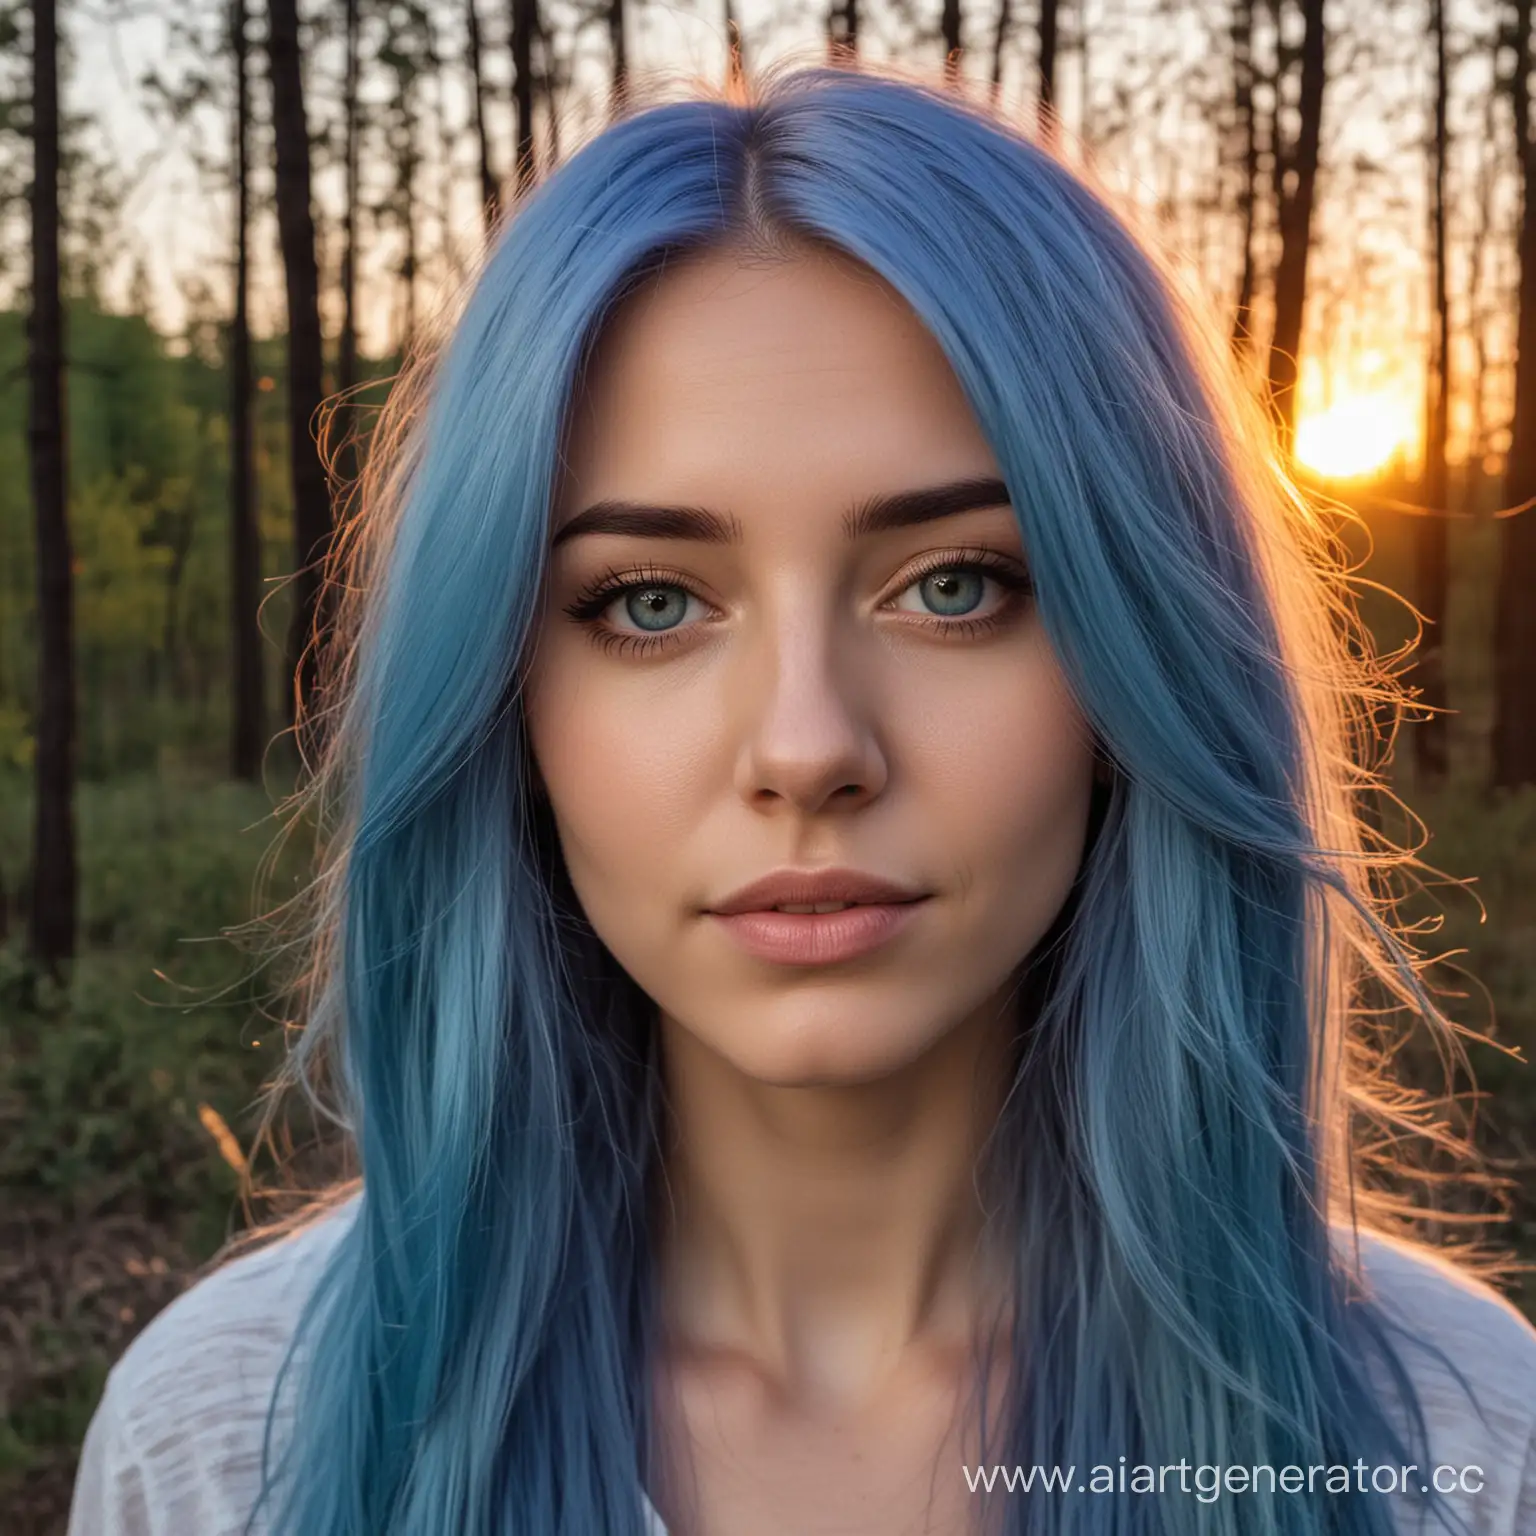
pixel 620 57
pixel 409 262
pixel 1046 107
pixel 306 388
pixel 405 182
pixel 1296 225
pixel 1514 658
pixel 524 21
pixel 949 33
pixel 1248 190
pixel 1085 79
pixel 490 195
pixel 1483 312
pixel 347 454
pixel 54 875
pixel 248 704
pixel 1000 42
pixel 346 359
pixel 1431 736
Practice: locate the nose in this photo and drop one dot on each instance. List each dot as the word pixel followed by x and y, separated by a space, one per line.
pixel 810 708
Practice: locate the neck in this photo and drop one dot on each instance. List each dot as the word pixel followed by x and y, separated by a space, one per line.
pixel 826 1234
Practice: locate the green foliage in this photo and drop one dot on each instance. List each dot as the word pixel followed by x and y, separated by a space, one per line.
pixel 1487 929
pixel 101 1080
pixel 56 1418
pixel 149 522
pixel 120 577
pixel 113 1184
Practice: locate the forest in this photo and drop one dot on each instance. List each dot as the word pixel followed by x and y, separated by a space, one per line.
pixel 225 228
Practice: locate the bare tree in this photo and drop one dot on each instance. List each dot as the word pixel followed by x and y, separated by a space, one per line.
pixel 351 113
pixel 1046 105
pixel 950 28
pixel 1296 183
pixel 248 710
pixel 306 376
pixel 54 874
pixel 490 194
pixel 1514 659
pixel 619 56
pixel 1084 77
pixel 1248 160
pixel 1483 304
pixel 524 21
pixel 404 55
pixel 1431 743
pixel 999 43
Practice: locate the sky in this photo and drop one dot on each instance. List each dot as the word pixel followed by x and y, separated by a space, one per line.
pixel 180 223
pixel 1369 310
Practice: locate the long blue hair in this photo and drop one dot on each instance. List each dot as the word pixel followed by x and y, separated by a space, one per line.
pixel 1174 1167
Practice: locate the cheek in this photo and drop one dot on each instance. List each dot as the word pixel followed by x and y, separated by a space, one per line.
pixel 1010 790
pixel 622 767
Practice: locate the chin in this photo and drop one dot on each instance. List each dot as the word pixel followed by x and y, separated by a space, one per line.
pixel 824 1055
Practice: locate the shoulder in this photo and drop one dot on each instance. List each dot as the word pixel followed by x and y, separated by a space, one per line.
pixel 216 1340
pixel 1437 1302
pixel 175 1443
pixel 1471 1357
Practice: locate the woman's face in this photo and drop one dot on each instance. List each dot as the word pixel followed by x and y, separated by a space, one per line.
pixel 790 694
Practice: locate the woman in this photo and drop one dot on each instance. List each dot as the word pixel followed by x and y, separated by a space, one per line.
pixel 823 500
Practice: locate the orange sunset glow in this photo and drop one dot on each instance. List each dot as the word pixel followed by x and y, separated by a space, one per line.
pixel 1355 436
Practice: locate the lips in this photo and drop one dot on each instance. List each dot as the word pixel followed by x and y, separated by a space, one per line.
pixel 811 888
pixel 818 909
pixel 816 939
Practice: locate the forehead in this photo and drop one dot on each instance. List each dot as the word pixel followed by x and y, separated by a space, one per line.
pixel 734 378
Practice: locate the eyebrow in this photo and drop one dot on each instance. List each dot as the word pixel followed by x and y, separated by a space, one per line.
pixel 876 514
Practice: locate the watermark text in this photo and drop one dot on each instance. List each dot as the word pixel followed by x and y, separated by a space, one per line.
pixel 1209 1482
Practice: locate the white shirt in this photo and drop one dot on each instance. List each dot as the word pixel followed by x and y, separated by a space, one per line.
pixel 174 1447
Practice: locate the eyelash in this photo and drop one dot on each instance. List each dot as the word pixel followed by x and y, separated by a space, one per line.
pixel 603 591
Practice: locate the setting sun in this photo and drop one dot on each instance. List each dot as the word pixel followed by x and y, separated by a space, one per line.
pixel 1355 436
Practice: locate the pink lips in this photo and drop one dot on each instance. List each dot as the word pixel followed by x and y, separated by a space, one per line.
pixel 814 887
pixel 819 938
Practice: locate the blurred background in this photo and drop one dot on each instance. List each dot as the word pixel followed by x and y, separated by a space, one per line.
pixel 216 215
